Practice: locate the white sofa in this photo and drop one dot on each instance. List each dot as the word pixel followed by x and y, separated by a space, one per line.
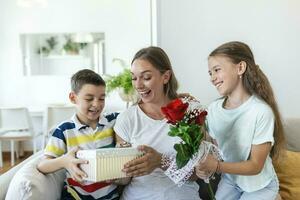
pixel 25 182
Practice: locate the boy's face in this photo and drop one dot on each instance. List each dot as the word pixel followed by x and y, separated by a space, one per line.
pixel 90 101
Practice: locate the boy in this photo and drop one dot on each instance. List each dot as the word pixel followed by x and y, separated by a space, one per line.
pixel 85 130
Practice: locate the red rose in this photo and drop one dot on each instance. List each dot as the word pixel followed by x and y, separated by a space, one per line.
pixel 175 111
pixel 201 118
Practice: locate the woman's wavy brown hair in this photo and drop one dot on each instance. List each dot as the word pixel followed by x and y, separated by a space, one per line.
pixel 255 82
pixel 160 60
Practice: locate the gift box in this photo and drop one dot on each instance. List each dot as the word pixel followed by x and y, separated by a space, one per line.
pixel 107 163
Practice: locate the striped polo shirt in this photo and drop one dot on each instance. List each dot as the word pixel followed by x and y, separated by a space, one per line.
pixel 70 134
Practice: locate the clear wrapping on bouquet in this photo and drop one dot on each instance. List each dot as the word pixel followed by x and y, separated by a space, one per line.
pixel 180 176
pixel 107 163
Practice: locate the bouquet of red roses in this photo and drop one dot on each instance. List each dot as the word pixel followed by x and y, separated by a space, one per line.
pixel 188 124
pixel 187 121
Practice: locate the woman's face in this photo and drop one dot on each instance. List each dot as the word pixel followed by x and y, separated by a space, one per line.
pixel 148 81
pixel 224 74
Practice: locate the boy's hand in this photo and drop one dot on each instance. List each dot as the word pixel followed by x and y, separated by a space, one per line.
pixel 71 164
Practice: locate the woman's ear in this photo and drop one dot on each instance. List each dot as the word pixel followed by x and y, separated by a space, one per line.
pixel 167 76
pixel 72 97
pixel 242 66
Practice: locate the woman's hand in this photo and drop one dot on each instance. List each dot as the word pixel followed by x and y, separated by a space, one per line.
pixel 145 164
pixel 71 164
pixel 186 95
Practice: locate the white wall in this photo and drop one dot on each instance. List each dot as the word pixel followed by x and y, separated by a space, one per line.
pixel 190 30
pixel 127 28
pixel 126 24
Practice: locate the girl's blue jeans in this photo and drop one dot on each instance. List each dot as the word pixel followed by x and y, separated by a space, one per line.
pixel 228 190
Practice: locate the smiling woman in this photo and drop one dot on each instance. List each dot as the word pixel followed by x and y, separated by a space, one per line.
pixel 143 126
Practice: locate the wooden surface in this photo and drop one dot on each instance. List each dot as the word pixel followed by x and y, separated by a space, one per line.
pixel 6 160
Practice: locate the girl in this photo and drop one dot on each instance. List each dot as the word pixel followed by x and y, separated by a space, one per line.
pixel 245 124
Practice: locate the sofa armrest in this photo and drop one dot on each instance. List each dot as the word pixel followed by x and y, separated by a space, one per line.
pixel 29 183
pixel 292 134
pixel 6 178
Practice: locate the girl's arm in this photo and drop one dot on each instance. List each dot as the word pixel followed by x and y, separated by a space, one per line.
pixel 253 166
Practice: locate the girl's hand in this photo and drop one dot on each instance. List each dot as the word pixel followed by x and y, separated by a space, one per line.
pixel 71 164
pixel 145 164
pixel 210 164
pixel 202 174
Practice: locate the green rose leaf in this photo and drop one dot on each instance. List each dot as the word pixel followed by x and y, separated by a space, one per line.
pixel 183 154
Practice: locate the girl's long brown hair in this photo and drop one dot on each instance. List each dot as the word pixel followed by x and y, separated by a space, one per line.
pixel 255 82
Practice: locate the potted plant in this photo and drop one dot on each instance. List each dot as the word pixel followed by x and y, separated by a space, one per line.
pixel 52 42
pixel 122 83
pixel 70 46
pixel 46 50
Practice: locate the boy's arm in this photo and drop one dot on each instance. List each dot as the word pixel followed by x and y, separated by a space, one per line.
pixel 67 161
pixel 50 164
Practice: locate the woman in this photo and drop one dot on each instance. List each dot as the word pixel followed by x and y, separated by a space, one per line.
pixel 144 126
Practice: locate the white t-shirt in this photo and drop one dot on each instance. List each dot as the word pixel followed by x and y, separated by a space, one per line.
pixel 235 130
pixel 135 127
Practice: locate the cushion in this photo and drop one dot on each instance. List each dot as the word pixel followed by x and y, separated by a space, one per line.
pixel 292 133
pixel 6 178
pixel 289 175
pixel 29 183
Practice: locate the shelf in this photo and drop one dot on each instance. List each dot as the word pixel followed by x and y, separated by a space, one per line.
pixel 50 57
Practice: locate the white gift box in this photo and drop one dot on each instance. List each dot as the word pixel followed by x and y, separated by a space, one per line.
pixel 107 163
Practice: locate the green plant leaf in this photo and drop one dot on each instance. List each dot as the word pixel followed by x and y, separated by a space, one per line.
pixel 52 42
pixel 122 80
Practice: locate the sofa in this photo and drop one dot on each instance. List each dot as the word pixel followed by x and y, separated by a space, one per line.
pixel 24 181
pixel 287 168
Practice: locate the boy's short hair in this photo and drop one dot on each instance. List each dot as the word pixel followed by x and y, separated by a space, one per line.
pixel 85 76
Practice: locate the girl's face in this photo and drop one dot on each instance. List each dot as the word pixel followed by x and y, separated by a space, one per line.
pixel 148 81
pixel 224 74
